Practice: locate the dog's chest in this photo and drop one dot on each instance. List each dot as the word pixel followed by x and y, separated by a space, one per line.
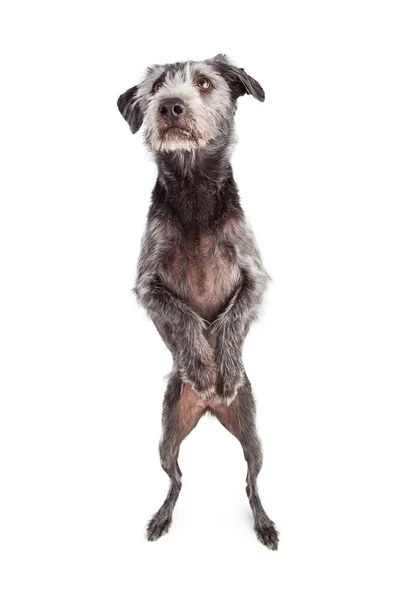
pixel 204 272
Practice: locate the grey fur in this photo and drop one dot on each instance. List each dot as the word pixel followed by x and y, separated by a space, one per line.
pixel 200 274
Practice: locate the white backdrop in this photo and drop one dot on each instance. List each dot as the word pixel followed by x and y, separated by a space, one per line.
pixel 82 367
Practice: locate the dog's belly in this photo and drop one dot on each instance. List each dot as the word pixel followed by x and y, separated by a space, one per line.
pixel 204 274
pixel 211 284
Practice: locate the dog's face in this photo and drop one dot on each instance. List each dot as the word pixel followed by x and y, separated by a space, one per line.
pixel 184 106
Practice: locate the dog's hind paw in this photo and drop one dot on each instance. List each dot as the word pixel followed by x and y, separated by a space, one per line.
pixel 268 535
pixel 157 526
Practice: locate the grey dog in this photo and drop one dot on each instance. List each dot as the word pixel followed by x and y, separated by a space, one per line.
pixel 200 275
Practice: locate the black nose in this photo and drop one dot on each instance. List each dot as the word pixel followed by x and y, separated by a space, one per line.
pixel 172 109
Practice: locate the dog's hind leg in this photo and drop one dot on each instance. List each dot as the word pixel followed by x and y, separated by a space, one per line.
pixel 182 410
pixel 239 419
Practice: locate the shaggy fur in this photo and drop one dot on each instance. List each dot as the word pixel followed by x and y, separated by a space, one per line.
pixel 200 275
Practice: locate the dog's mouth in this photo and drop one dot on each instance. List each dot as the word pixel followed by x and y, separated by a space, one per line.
pixel 175 130
pixel 176 136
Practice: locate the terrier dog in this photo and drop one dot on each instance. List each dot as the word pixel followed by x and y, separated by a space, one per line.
pixel 200 276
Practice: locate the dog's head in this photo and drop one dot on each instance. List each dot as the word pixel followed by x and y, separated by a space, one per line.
pixel 184 106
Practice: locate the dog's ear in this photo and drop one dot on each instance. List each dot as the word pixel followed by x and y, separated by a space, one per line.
pixel 238 80
pixel 130 109
pixel 250 85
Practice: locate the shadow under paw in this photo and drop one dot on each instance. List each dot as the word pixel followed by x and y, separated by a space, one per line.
pixel 157 526
pixel 268 535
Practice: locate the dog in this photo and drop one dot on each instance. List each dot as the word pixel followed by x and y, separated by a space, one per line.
pixel 200 275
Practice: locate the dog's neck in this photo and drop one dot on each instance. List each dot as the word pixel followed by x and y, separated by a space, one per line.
pixel 197 188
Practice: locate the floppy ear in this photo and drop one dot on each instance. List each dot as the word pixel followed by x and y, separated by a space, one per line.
pixel 250 85
pixel 239 81
pixel 130 109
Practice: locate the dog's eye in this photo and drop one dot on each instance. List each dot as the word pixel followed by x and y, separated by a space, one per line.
pixel 203 83
pixel 157 86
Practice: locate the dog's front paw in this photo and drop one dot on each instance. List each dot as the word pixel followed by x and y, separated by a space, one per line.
pixel 201 376
pixel 202 385
pixel 204 393
pixel 226 389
